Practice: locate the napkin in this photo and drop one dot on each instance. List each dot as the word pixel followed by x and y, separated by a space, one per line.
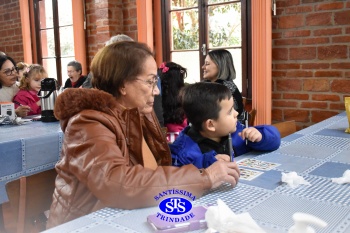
pixel 293 180
pixel 344 179
pixel 222 219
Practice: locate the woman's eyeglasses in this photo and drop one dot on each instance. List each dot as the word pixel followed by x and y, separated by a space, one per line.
pixel 10 72
pixel 150 83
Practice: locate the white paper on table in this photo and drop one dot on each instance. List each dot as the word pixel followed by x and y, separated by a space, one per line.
pixel 293 180
pixel 344 179
pixel 222 219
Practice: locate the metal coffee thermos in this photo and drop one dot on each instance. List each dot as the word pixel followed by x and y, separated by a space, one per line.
pixel 48 96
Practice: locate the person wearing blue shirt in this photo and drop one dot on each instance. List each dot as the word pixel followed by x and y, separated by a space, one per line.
pixel 209 108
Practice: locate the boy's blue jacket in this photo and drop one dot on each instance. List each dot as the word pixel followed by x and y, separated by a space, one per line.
pixel 184 150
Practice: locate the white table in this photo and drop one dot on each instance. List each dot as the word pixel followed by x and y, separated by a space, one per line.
pixel 317 153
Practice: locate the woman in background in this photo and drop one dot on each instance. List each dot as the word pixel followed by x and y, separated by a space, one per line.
pixel 172 78
pixel 8 87
pixel 218 67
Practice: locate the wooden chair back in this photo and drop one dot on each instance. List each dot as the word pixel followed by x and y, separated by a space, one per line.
pixel 286 128
pixel 29 197
pixel 251 117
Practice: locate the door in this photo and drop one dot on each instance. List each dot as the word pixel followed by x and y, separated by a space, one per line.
pixel 194 27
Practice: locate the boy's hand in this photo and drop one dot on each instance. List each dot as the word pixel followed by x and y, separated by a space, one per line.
pixel 222 157
pixel 252 134
pixel 220 172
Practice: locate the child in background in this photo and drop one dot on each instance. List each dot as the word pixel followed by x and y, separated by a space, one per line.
pixel 21 67
pixel 30 84
pixel 172 77
pixel 209 108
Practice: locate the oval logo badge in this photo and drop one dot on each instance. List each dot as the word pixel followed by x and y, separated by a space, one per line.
pixel 175 205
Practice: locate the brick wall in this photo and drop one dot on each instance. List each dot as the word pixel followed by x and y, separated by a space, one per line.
pixel 10 29
pixel 106 18
pixel 311 60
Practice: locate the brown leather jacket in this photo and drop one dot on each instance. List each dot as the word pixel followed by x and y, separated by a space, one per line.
pixel 101 162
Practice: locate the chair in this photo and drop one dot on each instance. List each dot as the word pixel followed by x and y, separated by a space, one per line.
pixel 286 128
pixel 29 197
pixel 251 117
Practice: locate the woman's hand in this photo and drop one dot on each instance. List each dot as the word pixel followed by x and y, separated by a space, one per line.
pixel 220 172
pixel 22 111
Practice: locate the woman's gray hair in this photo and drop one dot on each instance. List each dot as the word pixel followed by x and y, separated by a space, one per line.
pixel 117 38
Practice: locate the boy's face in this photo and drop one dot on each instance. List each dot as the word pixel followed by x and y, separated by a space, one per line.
pixel 227 121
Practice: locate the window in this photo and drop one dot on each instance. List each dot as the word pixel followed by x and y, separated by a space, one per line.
pixel 54 37
pixel 194 27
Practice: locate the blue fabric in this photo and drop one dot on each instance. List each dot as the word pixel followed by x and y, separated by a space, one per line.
pixel 185 151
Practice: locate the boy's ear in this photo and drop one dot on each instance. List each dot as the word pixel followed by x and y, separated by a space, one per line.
pixel 209 125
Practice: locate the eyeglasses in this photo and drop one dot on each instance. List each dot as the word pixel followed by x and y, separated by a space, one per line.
pixel 9 72
pixel 150 83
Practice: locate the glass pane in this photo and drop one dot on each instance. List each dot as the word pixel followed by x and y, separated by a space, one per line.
pixel 64 63
pixel 185 30
pixel 65 16
pixel 66 40
pixel 179 4
pixel 50 67
pixel 218 1
pixel 189 60
pixel 47 43
pixel 224 25
pixel 46 15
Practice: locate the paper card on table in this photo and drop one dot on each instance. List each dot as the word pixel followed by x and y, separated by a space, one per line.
pixel 247 174
pixel 257 164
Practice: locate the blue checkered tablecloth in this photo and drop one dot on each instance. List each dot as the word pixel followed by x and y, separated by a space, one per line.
pixel 317 153
pixel 27 149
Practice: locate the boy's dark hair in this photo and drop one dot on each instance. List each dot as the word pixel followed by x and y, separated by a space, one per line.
pixel 201 101
pixel 172 77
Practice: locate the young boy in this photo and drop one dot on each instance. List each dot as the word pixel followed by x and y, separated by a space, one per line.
pixel 209 109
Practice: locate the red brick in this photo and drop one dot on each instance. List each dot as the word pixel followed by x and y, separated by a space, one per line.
pixel 296 96
pixel 282 103
pixel 341 39
pixel 289 85
pixel 319 115
pixel 332 52
pixel 325 97
pixel 276 35
pixel 328 32
pixel 287 66
pixel 320 40
pixel 301 33
pixel 340 86
pixel 293 21
pixel 298 9
pixel 276 95
pixel 342 18
pixel 319 19
pixel 299 73
pixel 329 6
pixel 337 106
pixel 287 42
pixel 302 53
pixel 279 74
pixel 343 65
pixel 280 54
pixel 277 114
pixel 315 66
pixel 328 74
pixel 297 115
pixel 316 85
pixel 292 3
pixel 310 105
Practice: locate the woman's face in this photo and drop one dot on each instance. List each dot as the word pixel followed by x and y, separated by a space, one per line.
pixel 140 93
pixel 8 74
pixel 210 69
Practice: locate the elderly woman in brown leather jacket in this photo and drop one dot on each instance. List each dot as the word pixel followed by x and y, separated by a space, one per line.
pixel 114 152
